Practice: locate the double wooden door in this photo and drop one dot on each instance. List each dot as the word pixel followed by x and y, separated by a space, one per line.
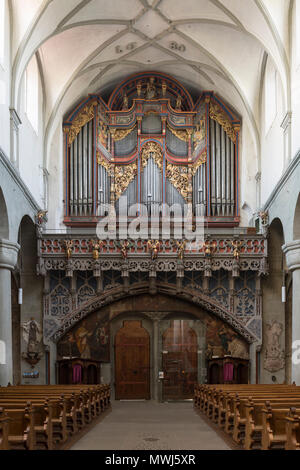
pixel 132 362
pixel 180 361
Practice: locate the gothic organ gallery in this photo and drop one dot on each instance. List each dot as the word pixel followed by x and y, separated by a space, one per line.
pixel 153 307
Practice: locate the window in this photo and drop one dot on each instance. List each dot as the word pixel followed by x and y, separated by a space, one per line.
pixel 32 93
pixel 297 33
pixel 2 30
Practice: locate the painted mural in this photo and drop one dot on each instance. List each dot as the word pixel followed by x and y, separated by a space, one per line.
pixel 222 340
pixel 90 339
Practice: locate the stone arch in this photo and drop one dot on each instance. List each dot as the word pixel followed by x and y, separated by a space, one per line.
pixel 186 294
pixel 28 243
pixel 296 222
pixel 4 223
pixel 273 307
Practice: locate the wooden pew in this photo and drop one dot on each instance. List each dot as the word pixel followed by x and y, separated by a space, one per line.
pixel 66 410
pixel 292 430
pixel 4 421
pixel 274 427
pixel 239 409
pixel 19 432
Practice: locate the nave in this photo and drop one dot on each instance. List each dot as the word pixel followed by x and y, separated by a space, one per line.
pixel 149 425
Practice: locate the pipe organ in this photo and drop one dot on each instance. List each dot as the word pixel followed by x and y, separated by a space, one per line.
pixel 154 144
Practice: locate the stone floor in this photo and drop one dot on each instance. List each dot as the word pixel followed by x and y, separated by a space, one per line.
pixel 148 425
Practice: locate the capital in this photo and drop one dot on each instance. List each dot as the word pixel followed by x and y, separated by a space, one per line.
pixel 292 254
pixel 8 254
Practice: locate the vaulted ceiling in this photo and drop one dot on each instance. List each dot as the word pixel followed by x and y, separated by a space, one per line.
pixel 86 46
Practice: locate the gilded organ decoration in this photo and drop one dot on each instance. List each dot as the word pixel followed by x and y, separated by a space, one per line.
pixel 103 134
pixel 192 145
pixel 120 134
pixel 101 160
pixel 178 175
pixel 182 135
pixel 152 149
pixel 85 116
pixel 202 159
pixel 218 115
pixel 124 174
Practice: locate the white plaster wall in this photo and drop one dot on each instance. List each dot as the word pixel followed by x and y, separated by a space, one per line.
pixel 295 79
pixel 56 182
pixel 272 144
pixel 31 148
pixel 5 87
pixel 248 170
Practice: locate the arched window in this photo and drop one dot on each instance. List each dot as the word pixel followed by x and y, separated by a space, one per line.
pixel 2 30
pixel 297 34
pixel 32 93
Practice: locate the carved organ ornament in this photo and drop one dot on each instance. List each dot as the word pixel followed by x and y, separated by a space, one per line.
pixel 190 150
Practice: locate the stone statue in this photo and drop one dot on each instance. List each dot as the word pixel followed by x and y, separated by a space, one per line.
pixel 153 247
pixel 32 334
pixel 96 245
pixel 125 101
pixel 68 247
pixel 274 355
pixel 178 103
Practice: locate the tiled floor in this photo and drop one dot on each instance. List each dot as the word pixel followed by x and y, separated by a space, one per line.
pixel 150 425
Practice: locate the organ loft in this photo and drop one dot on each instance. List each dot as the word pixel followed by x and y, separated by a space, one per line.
pixel 152 232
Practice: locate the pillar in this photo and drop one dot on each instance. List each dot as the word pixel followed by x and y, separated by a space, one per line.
pixel 292 255
pixel 253 364
pixel 8 261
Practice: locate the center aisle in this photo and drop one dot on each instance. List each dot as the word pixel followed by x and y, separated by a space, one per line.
pixel 150 425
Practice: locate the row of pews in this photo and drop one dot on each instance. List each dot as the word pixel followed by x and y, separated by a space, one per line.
pixel 256 416
pixel 43 417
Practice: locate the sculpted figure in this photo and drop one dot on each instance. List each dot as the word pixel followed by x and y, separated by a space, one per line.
pixel 153 247
pixel 150 93
pixel 178 103
pixel 125 101
pixel 68 248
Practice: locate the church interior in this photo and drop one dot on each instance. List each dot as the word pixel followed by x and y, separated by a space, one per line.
pixel 150 224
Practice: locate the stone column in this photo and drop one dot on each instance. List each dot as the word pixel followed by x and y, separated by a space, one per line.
pixel 8 261
pixel 292 255
pixel 286 125
pixel 252 355
pixel 15 122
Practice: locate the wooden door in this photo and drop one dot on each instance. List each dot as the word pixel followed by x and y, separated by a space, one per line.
pixel 180 361
pixel 132 362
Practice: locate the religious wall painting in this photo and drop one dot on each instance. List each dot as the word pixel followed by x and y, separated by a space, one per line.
pixel 90 339
pixel 221 340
